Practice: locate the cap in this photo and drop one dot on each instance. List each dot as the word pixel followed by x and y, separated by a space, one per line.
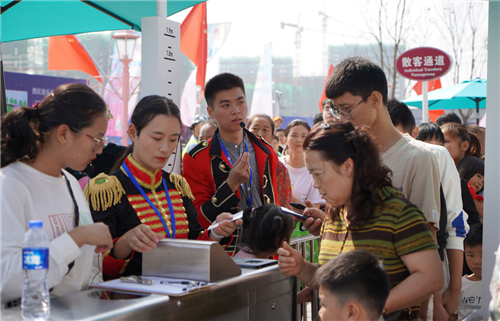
pixel 198 119
pixel 275 118
pixel 36 224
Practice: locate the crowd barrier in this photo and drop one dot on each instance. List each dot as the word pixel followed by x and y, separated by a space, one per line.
pixel 305 245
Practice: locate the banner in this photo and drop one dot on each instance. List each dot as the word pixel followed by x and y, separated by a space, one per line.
pixel 262 100
pixel 114 102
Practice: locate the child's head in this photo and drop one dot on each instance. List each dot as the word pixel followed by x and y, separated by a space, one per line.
pixel 471 169
pixel 459 142
pixel 265 228
pixel 430 133
pixel 473 247
pixel 352 286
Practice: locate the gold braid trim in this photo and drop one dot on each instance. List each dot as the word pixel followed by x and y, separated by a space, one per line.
pixel 181 185
pixel 104 191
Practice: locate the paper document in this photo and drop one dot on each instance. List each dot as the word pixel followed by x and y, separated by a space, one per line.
pixel 167 286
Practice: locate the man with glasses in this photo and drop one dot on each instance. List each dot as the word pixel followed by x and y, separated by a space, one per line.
pixel 358 89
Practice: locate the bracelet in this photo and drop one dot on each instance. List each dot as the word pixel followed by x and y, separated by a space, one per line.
pixel 216 235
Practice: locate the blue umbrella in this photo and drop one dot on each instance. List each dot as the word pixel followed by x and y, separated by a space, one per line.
pixel 466 95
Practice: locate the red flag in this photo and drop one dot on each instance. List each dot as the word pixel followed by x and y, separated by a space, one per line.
pixel 323 96
pixel 434 114
pixel 194 41
pixel 67 53
pixel 431 85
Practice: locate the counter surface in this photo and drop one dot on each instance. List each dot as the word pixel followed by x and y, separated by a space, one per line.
pixel 261 294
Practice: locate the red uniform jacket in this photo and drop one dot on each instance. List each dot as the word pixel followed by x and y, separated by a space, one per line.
pixel 206 168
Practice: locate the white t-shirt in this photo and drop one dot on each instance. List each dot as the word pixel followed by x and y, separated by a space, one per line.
pixel 470 297
pixel 302 184
pixel 415 173
pixel 27 194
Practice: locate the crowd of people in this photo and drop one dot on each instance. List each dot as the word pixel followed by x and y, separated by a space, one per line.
pixel 393 202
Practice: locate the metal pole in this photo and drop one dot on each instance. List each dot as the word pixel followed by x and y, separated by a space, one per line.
pixel 425 102
pixel 161 8
pixel 125 91
pixel 477 110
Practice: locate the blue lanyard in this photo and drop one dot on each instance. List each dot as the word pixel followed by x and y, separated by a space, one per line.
pixel 250 197
pixel 170 207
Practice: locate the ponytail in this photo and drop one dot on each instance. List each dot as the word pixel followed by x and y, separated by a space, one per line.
pixel 265 227
pixel 18 137
pixel 460 131
pixel 474 146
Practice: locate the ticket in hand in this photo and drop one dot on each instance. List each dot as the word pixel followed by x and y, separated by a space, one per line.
pixel 237 216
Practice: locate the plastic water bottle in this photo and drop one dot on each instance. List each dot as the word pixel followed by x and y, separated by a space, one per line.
pixel 35 302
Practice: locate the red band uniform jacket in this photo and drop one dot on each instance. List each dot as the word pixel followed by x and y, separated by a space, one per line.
pixel 206 168
pixel 115 201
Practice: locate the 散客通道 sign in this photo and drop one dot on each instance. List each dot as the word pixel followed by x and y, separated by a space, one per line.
pixel 423 63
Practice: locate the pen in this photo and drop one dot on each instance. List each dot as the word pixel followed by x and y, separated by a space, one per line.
pixel 175 282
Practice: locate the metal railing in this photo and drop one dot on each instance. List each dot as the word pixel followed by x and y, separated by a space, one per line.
pixel 303 244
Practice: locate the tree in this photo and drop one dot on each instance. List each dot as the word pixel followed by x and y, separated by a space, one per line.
pixel 392 22
pixel 462 23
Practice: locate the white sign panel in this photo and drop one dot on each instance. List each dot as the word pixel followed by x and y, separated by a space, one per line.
pixel 161 67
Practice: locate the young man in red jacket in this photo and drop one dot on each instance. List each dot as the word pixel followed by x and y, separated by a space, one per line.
pixel 234 170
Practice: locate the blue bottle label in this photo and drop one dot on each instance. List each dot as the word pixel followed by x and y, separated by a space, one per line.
pixel 35 259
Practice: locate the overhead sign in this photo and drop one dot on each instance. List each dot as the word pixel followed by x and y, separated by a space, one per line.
pixel 423 63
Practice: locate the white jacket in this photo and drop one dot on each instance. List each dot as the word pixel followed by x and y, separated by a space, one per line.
pixel 27 194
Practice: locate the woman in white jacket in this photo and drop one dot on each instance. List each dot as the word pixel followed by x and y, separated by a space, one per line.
pixel 65 130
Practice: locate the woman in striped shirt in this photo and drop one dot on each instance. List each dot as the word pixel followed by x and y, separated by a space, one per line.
pixel 365 212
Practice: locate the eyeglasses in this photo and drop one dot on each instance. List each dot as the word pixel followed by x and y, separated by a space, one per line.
pixel 98 142
pixel 337 112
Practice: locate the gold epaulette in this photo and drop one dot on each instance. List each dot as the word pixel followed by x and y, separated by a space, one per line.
pixel 103 191
pixel 181 185
pixel 198 148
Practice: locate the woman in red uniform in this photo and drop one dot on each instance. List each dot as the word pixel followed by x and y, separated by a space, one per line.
pixel 133 201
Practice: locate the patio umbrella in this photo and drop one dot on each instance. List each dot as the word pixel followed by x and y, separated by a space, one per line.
pixel 466 95
pixel 29 19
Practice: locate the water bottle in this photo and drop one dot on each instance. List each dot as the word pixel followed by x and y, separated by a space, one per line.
pixel 35 302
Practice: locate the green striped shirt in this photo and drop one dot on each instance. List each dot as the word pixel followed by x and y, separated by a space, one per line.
pixel 397 228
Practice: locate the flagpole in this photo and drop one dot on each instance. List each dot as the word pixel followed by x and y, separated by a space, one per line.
pixel 425 102
pixel 3 97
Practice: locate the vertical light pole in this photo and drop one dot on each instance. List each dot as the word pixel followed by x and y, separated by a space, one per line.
pixel 125 43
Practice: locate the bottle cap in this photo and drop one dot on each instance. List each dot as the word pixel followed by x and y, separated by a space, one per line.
pixel 36 224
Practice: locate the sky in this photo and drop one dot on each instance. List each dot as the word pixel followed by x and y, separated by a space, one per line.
pixel 257 22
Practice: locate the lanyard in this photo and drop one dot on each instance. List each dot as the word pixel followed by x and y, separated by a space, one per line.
pixel 250 197
pixel 170 207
